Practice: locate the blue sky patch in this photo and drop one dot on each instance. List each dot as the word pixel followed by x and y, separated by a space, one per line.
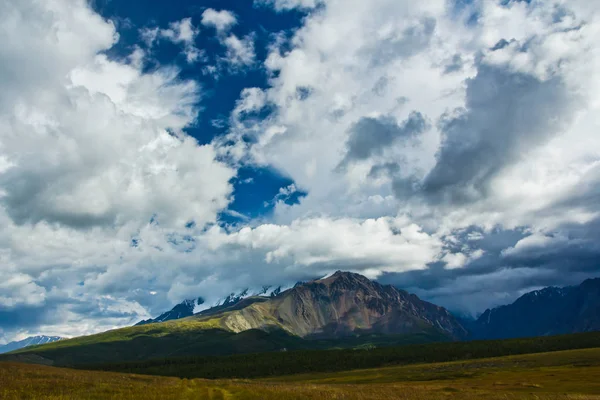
pixel 254 188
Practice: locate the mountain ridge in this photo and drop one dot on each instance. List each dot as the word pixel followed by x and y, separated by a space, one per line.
pixel 548 311
pixel 241 320
pixel 342 304
pixel 29 341
pixel 341 310
pixel 181 310
pixel 538 309
pixel 189 307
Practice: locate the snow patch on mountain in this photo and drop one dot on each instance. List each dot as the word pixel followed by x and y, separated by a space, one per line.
pixel 187 308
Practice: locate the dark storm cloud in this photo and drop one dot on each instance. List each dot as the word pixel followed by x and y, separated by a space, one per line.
pixel 59 310
pixel 371 136
pixel 29 317
pixel 507 114
pixel 585 196
pixel 31 198
pixel 572 248
pixel 507 269
pixel 456 64
pixel 24 317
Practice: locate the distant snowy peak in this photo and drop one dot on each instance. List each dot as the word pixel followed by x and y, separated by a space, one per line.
pixel 184 309
pixel 30 341
pixel 264 291
pixel 187 308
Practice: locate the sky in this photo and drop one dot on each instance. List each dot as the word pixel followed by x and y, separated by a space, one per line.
pixel 150 154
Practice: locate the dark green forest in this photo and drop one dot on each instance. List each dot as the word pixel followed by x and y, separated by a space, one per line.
pixel 364 356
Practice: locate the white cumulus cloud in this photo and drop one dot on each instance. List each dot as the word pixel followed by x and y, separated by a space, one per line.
pixel 222 20
pixel 93 149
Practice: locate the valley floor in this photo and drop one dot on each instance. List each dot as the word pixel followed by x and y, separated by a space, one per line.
pixel 573 374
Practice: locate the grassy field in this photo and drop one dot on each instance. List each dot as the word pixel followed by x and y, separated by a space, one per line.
pixel 571 371
pixel 573 374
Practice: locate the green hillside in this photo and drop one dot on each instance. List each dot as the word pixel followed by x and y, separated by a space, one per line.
pixel 192 337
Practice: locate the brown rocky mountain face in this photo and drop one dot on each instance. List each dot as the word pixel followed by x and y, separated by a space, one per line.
pixel 340 305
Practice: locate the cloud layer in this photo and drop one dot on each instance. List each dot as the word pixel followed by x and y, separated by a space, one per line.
pixel 93 149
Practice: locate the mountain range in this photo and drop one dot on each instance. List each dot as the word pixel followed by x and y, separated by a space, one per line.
pixel 341 310
pixel 30 341
pixel 549 311
pixel 339 305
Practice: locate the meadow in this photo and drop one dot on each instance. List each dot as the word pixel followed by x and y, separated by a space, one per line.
pixel 565 375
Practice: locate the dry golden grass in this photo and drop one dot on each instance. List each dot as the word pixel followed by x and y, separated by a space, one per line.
pixel 569 375
pixel 572 371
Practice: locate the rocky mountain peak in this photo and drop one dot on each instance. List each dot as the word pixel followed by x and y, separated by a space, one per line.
pixel 346 280
pixel 343 304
